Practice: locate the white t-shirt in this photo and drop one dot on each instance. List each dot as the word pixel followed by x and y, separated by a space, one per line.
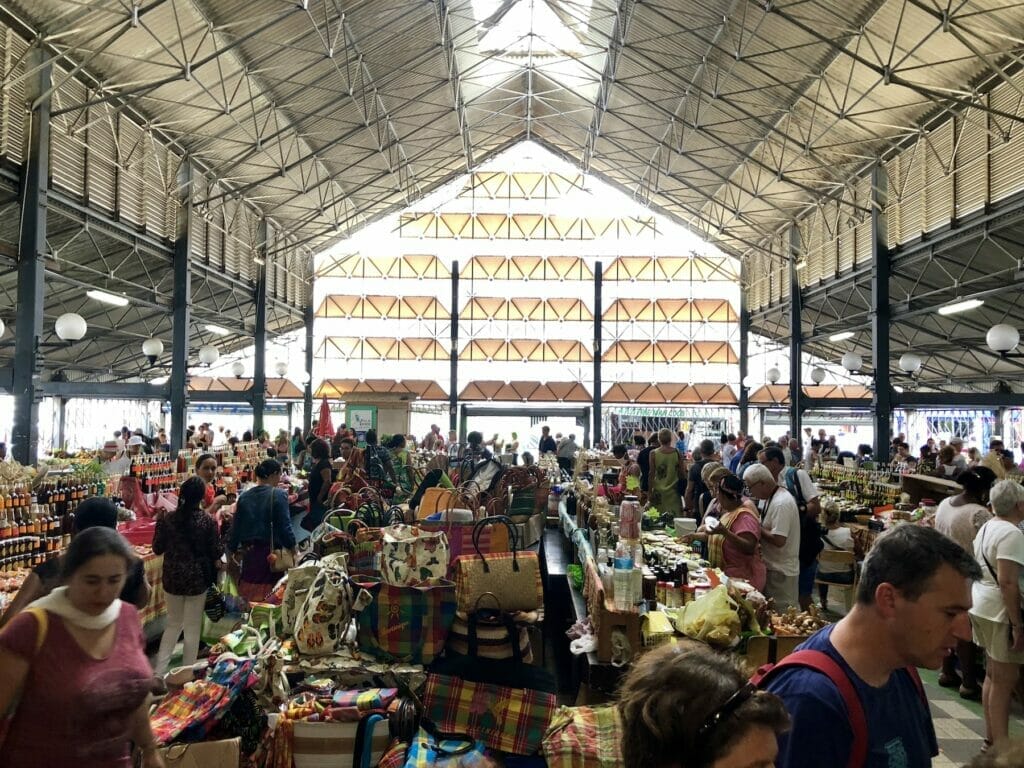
pixel 997 540
pixel 960 462
pixel 807 487
pixel 782 518
pixel 728 451
pixel 842 538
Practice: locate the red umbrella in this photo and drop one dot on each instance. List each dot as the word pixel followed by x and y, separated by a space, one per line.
pixel 325 428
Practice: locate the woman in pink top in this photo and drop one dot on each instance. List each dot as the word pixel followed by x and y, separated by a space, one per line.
pixel 76 659
pixel 734 543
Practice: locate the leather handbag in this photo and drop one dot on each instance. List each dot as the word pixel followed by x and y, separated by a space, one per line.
pixel 512 577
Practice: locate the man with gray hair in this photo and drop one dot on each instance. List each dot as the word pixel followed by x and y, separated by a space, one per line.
pixel 780 536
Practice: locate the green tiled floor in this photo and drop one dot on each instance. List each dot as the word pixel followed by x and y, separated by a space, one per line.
pixel 960 724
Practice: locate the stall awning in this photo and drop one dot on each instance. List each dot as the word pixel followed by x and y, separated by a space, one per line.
pixel 525 391
pixel 778 394
pixel 670 394
pixel 422 389
pixel 277 389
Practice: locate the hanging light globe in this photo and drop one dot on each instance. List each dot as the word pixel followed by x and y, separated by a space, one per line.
pixel 749 382
pixel 817 374
pixel 2 327
pixel 152 349
pixel 852 362
pixel 238 369
pixel 303 377
pixel 70 326
pixel 773 375
pixel 281 369
pixel 208 354
pixel 1002 338
pixel 910 363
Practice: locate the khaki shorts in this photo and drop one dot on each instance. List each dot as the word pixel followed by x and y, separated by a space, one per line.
pixel 994 637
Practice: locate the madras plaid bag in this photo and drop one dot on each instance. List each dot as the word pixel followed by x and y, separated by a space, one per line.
pixel 406 624
pixel 493 539
pixel 512 720
pixel 446 751
pixel 192 712
pixel 584 737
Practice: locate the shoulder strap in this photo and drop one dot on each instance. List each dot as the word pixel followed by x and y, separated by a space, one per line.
pixel 826 665
pixel 792 480
pixel 42 626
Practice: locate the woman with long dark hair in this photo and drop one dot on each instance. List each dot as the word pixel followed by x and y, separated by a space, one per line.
pixel 77 660
pixel 188 540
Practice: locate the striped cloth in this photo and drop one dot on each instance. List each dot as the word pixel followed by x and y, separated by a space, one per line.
pixel 584 737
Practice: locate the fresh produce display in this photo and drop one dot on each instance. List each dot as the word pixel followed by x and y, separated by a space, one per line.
pixel 798 623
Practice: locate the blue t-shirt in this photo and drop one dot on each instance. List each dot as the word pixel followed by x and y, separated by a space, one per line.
pixel 900 731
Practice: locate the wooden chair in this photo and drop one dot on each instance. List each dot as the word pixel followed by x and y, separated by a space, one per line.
pixel 840 557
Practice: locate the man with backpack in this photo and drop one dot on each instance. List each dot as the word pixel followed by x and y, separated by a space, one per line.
pixel 802 488
pixel 852 689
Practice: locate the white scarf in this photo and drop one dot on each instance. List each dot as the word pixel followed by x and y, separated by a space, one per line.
pixel 58 602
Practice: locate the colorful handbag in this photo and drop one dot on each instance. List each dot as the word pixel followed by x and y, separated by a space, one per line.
pixel 300 579
pixel 493 634
pixel 323 621
pixel 446 751
pixel 410 555
pixel 513 577
pixel 407 624
pixel 493 539
pixel 512 720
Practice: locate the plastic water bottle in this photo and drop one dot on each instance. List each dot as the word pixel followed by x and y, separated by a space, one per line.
pixel 623 576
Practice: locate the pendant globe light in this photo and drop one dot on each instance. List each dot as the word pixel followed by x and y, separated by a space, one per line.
pixel 152 349
pixel 237 369
pixel 817 374
pixel 70 326
pixel 281 369
pixel 910 363
pixel 773 375
pixel 1002 338
pixel 852 362
pixel 208 354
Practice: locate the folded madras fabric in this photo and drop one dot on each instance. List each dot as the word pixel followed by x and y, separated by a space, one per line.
pixel 584 737
pixel 512 720
pixel 190 713
pixel 367 700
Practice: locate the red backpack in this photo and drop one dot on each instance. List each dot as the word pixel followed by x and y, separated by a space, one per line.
pixel 821 662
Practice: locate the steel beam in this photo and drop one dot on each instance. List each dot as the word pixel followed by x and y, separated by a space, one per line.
pixel 795 340
pixel 881 310
pixel 101 389
pixel 181 309
pixel 307 393
pixel 598 309
pixel 453 357
pixel 745 350
pixel 62 417
pixel 991 401
pixel 31 255
pixel 244 397
pixel 834 403
pixel 259 372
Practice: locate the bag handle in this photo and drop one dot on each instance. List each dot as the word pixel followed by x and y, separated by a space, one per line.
pixel 472 641
pixel 513 538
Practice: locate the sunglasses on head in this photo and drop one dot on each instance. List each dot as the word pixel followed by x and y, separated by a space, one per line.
pixel 734 702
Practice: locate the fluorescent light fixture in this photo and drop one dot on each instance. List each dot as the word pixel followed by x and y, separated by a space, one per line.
pixel 960 306
pixel 842 336
pixel 159 381
pixel 217 329
pixel 108 298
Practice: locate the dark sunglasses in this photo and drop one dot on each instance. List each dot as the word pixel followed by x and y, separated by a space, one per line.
pixel 734 702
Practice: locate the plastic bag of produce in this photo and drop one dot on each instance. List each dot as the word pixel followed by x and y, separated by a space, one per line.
pixel 713 618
